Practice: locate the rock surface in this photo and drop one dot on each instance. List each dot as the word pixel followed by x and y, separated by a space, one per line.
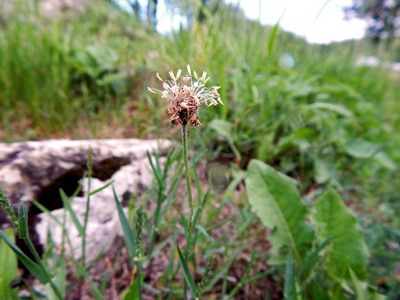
pixel 39 169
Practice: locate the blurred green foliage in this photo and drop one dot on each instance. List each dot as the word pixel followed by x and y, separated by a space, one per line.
pixel 304 109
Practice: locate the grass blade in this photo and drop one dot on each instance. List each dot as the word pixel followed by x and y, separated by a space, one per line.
pixel 67 206
pixel 8 269
pixel 128 233
pixel 102 188
pixel 186 272
pixel 32 267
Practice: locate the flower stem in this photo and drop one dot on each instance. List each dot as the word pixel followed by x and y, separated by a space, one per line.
pixel 190 200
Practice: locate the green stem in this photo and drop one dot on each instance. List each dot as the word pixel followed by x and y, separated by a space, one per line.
pixel 39 261
pixel 86 220
pixel 190 200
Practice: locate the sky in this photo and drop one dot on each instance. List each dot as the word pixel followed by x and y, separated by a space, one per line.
pixel 319 21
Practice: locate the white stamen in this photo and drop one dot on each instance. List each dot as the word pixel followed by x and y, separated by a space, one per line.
pixel 204 76
pixel 172 75
pixel 178 74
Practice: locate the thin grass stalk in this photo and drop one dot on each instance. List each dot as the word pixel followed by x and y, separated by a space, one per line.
pixel 190 200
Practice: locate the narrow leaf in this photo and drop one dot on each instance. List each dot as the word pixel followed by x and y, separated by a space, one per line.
pixel 32 267
pixel 22 221
pixel 186 272
pixel 67 206
pixel 102 188
pixel 47 211
pixel 156 172
pixel 313 258
pixel 128 233
pixel 272 38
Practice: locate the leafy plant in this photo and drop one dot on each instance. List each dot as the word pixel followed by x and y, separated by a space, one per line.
pixel 339 240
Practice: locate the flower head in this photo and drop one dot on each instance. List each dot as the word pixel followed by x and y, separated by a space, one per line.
pixel 185 94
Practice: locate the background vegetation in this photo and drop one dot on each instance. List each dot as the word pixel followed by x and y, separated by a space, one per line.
pixel 305 110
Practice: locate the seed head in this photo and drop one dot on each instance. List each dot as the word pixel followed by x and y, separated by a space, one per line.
pixel 185 94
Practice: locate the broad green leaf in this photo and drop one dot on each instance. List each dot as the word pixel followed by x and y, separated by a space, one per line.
pixel 133 292
pixel 8 268
pixel 32 267
pixel 304 133
pixel 359 286
pixel 289 276
pixel 322 170
pixel 348 247
pixel 363 149
pixel 337 108
pixel 223 128
pixel 186 272
pixel 275 199
pixel 386 161
pixel 363 290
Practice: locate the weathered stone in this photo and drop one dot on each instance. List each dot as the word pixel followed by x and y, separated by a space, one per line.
pixel 39 169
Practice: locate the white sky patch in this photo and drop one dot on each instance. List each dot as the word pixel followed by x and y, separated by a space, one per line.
pixel 308 18
pixel 168 20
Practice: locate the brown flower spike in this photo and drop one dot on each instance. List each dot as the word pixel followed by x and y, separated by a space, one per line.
pixel 185 94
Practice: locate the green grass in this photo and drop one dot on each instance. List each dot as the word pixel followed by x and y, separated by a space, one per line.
pixel 323 122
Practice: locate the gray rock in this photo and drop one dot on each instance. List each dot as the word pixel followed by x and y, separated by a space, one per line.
pixel 38 169
pixel 26 168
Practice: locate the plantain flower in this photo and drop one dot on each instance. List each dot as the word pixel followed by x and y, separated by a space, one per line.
pixel 185 94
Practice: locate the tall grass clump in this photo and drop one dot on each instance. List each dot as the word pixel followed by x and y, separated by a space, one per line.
pixel 58 73
pixel 34 77
pixel 304 116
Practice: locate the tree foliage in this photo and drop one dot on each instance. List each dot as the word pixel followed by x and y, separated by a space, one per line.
pixel 382 16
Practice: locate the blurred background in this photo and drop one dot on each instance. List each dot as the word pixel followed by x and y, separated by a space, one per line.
pixel 310 87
